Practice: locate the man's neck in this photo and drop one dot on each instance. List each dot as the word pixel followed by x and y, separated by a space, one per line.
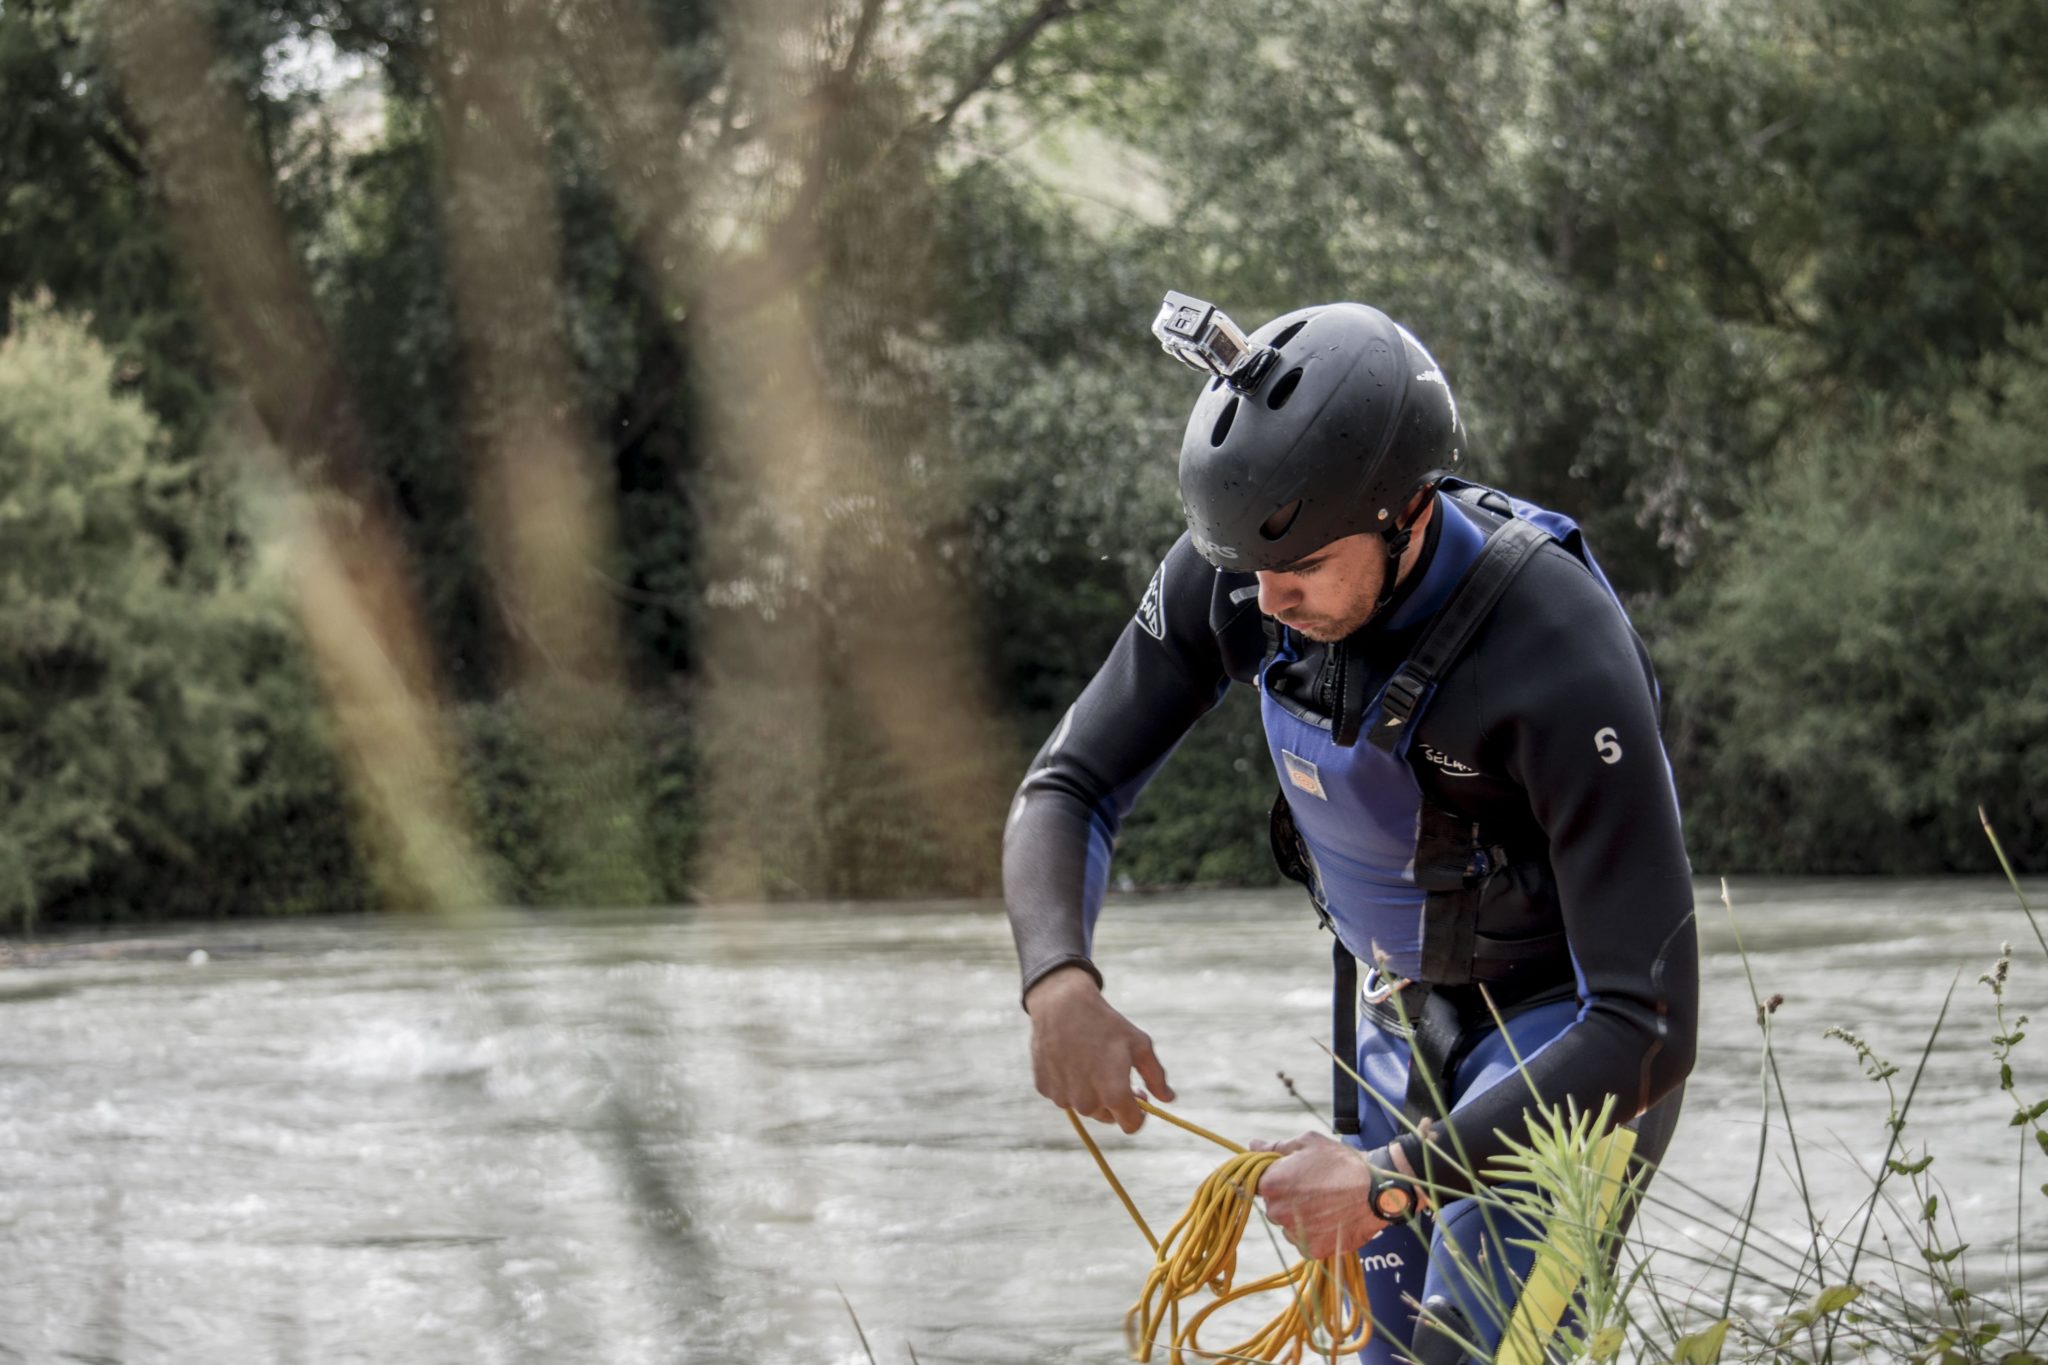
pixel 1420 542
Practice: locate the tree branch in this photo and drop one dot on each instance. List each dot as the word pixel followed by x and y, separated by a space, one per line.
pixel 863 33
pixel 1776 311
pixel 1015 41
pixel 125 159
pixel 125 155
pixel 746 281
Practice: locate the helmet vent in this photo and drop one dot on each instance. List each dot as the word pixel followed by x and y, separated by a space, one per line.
pixel 1287 334
pixel 1223 422
pixel 1284 389
pixel 1281 521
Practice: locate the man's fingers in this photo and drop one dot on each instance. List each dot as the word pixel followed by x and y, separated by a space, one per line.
pixel 1151 1072
pixel 1129 1116
pixel 1281 1213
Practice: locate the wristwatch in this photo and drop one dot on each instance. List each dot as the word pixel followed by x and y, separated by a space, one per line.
pixel 1393 1195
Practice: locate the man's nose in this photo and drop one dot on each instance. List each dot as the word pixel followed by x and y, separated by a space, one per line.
pixel 1277 593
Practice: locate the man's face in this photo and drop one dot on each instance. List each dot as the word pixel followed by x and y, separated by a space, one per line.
pixel 1330 593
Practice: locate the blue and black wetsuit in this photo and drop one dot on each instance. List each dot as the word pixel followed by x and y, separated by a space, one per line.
pixel 1533 771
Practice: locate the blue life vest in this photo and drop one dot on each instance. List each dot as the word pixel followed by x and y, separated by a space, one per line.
pixel 1357 809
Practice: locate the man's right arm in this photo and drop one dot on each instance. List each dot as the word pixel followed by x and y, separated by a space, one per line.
pixel 1164 673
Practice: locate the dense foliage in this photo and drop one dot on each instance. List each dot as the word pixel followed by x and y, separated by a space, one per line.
pixel 1863 672
pixel 754 406
pixel 159 738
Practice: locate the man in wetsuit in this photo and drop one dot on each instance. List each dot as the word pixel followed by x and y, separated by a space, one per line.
pixel 1473 788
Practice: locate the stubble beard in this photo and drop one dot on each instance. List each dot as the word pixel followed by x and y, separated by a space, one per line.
pixel 1328 630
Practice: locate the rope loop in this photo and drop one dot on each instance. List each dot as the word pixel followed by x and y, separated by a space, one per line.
pixel 1326 1310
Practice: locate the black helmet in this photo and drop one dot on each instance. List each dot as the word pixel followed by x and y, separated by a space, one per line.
pixel 1331 422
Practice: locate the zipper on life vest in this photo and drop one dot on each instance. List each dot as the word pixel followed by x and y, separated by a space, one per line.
pixel 1331 685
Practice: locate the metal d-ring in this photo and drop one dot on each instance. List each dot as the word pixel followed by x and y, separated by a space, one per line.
pixel 1379 987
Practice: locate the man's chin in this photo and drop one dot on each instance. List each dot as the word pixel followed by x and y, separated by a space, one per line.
pixel 1323 629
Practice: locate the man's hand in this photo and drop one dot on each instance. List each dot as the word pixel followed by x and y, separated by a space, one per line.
pixel 1083 1051
pixel 1318 1194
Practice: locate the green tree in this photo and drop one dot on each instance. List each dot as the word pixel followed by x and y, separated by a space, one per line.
pixel 1865 669
pixel 154 714
pixel 1920 132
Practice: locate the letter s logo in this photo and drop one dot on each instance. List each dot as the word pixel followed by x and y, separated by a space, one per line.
pixel 1609 745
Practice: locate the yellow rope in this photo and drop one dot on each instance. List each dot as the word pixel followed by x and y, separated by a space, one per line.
pixel 1102 1164
pixel 1326 1310
pixel 1327 1305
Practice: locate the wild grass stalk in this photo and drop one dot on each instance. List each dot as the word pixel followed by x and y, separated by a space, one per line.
pixel 2013 879
pixel 1765 1010
pixel 858 1330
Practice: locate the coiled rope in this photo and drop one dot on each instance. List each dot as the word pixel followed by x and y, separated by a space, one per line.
pixel 1326 1309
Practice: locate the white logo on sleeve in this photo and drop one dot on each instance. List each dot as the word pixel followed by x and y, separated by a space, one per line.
pixel 1152 608
pixel 1609 745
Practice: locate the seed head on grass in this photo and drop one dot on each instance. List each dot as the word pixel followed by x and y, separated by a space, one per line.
pixel 1287 1082
pixel 1874 1066
pixel 1995 978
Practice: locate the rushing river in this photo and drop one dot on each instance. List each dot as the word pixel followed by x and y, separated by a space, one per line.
pixel 684 1136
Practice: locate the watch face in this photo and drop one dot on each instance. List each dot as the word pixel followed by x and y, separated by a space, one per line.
pixel 1392 1201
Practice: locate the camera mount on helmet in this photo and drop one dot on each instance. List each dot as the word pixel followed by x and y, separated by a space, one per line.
pixel 1202 337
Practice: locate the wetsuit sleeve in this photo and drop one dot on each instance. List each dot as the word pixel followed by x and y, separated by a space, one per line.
pixel 1574 722
pixel 1164 673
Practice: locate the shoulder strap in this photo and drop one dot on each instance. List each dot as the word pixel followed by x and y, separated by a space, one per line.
pixel 1506 551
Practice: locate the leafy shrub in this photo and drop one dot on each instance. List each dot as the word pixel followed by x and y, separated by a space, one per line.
pixel 1868 657
pixel 159 751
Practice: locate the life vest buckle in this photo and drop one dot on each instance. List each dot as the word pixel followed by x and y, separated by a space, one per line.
pixel 1402 695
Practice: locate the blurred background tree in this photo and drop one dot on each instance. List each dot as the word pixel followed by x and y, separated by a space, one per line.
pixel 161 741
pixel 1864 662
pixel 736 427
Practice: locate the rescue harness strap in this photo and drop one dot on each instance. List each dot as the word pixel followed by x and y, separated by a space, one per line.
pixel 1507 550
pixel 1433 1024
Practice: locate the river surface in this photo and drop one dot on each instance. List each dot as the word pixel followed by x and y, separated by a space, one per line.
pixel 685 1135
